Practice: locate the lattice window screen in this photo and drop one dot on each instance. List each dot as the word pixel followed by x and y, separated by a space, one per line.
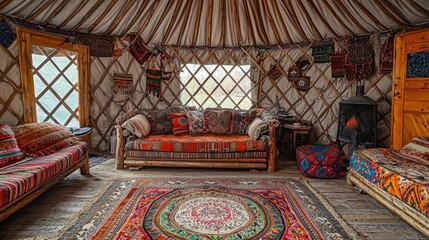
pixel 55 77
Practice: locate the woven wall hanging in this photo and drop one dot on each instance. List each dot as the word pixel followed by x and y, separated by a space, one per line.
pixel 359 64
pixel 138 48
pixel 123 87
pixel 386 56
pixel 321 52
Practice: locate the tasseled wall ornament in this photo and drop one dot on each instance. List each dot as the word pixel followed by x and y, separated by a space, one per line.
pixel 123 87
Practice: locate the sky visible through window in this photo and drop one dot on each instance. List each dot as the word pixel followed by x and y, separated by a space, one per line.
pixel 212 86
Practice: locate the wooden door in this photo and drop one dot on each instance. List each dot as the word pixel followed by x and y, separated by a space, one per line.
pixel 410 105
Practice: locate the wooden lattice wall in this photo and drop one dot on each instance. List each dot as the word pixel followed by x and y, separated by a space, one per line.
pixel 319 105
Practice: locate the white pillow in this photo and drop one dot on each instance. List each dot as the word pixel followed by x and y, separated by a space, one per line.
pixel 256 127
pixel 138 125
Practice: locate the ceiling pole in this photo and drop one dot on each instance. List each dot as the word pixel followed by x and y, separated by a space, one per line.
pixel 291 12
pixel 135 18
pixel 249 23
pixel 56 11
pixel 368 14
pixel 397 12
pixel 282 23
pixel 152 8
pixel 160 20
pixel 237 22
pixel 210 24
pixel 172 21
pixel 87 15
pixel 273 25
pixel 348 13
pixel 310 20
pixel 4 3
pixel 223 22
pixel 337 17
pixel 388 13
pixel 418 7
pixel 102 16
pixel 197 23
pixel 119 17
pixel 259 24
pixel 36 13
pixel 185 21
pixel 74 13
pixel 313 6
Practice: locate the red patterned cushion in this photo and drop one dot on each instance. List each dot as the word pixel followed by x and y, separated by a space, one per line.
pixel 218 121
pixel 41 139
pixel 180 123
pixel 9 149
pixel 319 161
pixel 240 121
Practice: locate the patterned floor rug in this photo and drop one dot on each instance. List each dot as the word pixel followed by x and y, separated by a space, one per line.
pixel 195 208
pixel 95 159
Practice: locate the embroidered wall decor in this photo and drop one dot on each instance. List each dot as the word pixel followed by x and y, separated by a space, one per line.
pixel 138 48
pixel 123 87
pixel 359 64
pixel 321 51
pixel 386 56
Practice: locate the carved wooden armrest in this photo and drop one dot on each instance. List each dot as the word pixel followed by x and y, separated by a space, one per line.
pixel 119 147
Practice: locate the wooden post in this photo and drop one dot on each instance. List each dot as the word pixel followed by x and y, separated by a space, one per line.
pixel 85 169
pixel 119 147
pixel 272 148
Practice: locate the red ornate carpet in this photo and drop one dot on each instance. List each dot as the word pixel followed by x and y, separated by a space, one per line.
pixel 195 208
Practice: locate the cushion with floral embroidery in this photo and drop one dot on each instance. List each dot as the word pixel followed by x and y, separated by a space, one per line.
pixel 196 122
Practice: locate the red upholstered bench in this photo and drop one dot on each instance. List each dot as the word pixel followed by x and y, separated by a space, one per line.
pixel 319 161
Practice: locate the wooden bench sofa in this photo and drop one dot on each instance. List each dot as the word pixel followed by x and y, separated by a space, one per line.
pixel 23 180
pixel 399 179
pixel 200 151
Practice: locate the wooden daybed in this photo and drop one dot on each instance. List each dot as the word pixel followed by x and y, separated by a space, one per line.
pixel 393 176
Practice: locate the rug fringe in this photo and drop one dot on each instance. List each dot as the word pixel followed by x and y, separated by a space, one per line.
pixel 349 230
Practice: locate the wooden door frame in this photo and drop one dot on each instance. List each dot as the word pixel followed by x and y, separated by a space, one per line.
pixel 25 39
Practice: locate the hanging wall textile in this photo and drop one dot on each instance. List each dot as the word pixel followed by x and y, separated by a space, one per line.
pixel 338 67
pixel 99 46
pixel 359 63
pixel 137 48
pixel 386 56
pixel 123 87
pixel 153 82
pixel 6 34
pixel 208 208
pixel 321 52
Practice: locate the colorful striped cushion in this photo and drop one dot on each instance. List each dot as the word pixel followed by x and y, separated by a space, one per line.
pixel 9 149
pixel 41 139
pixel 180 123
pixel 139 125
pixel 20 178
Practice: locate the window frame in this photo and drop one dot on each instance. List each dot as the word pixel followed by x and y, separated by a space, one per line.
pixel 26 38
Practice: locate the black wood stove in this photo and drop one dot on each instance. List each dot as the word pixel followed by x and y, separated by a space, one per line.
pixel 357 121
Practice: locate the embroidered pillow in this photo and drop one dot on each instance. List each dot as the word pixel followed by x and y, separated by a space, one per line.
pixel 196 122
pixel 418 150
pixel 240 121
pixel 256 127
pixel 41 139
pixel 218 121
pixel 9 149
pixel 138 125
pixel 160 123
pixel 180 123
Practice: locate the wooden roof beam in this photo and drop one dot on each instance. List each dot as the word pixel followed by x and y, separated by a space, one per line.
pixel 161 19
pixel 313 6
pixel 4 3
pixel 259 23
pixel 74 13
pixel 273 25
pixel 119 17
pixel 197 22
pixel 369 14
pixel 185 21
pixel 249 23
pixel 419 8
pixel 152 8
pixel 210 23
pixel 397 12
pixel 172 21
pixel 56 11
pixel 337 17
pixel 310 20
pixel 349 14
pixel 292 13
pixel 87 15
pixel 102 16
pixel 282 23
pixel 237 21
pixel 388 13
pixel 36 13
pixel 223 22
pixel 135 17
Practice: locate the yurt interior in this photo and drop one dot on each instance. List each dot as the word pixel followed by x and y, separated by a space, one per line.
pixel 214 119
